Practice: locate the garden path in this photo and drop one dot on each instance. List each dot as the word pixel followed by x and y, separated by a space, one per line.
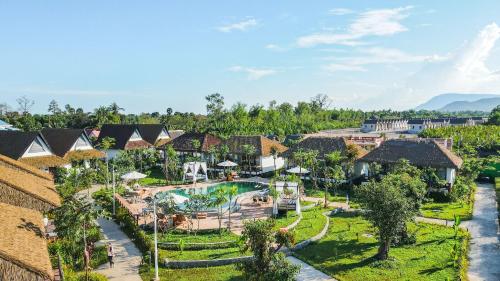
pixel 309 273
pixel 484 254
pixel 127 256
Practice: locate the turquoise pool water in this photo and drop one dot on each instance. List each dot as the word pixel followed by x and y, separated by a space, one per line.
pixel 242 188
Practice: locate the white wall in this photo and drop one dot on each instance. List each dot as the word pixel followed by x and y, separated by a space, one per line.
pixel 361 169
pixel 267 163
pixel 450 175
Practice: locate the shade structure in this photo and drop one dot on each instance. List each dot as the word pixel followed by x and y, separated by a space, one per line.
pixel 227 163
pixel 178 199
pixel 298 170
pixel 133 176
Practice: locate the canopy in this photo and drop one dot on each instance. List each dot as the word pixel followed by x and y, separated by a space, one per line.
pixel 227 163
pixel 191 169
pixel 298 170
pixel 133 176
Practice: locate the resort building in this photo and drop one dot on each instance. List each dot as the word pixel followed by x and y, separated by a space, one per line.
pixel 30 148
pixel 195 145
pixel 25 193
pixel 384 125
pixel 324 146
pixel 155 134
pixel 261 160
pixel 72 144
pixel 4 126
pixel 175 133
pixel 125 137
pixel 93 134
pixel 419 152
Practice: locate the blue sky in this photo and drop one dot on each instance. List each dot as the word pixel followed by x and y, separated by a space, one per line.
pixel 151 55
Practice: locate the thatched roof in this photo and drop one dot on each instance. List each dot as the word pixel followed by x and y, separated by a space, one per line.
pixel 84 154
pixel 27 189
pixel 419 152
pixel 23 244
pixel 17 165
pixel 184 142
pixel 121 135
pixel 324 145
pixel 261 144
pixel 44 161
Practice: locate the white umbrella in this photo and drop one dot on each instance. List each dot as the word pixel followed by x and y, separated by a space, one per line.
pixel 298 170
pixel 133 176
pixel 227 163
pixel 178 199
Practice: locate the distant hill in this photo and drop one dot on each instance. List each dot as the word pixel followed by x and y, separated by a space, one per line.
pixel 479 105
pixel 440 101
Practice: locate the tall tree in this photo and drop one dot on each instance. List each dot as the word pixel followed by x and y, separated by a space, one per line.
pixel 25 104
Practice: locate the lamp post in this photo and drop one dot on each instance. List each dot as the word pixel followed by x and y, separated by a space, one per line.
pixel 114 204
pixel 156 240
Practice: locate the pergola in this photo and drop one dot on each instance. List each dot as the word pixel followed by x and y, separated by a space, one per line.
pixel 191 169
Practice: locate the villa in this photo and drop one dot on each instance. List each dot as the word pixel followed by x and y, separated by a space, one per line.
pixel 30 148
pixel 25 193
pixel 184 145
pixel 419 152
pixel 126 137
pixel 262 160
pixel 384 125
pixel 71 144
pixel 415 126
pixel 155 134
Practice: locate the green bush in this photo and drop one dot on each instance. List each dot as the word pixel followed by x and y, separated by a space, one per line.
pixel 70 275
pixel 133 231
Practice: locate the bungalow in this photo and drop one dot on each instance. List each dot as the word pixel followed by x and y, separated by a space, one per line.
pixel 419 152
pixel 184 145
pixel 262 160
pixel 25 192
pixel 125 137
pixel 30 148
pixel 71 144
pixel 155 134
pixel 384 125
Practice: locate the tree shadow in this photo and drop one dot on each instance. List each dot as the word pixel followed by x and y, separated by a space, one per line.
pixel 30 226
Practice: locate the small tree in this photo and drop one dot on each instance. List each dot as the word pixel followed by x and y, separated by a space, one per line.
pixel 218 200
pixel 268 264
pixel 388 209
pixel 248 150
pixel 231 193
pixel 274 153
pixel 198 203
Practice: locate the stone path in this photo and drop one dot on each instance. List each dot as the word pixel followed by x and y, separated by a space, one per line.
pixel 309 273
pixel 127 256
pixel 484 255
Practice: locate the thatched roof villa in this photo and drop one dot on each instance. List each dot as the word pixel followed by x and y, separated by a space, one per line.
pixel 71 144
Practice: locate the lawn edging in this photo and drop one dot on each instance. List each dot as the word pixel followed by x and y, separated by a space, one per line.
pixel 315 237
pixel 197 246
pixel 294 224
pixel 203 263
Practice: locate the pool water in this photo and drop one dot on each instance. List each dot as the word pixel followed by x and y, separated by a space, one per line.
pixel 243 187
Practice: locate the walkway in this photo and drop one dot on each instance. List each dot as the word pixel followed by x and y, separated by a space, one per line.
pixel 484 255
pixel 309 273
pixel 127 256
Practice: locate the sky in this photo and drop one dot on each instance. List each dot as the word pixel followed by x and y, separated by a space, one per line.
pixel 151 55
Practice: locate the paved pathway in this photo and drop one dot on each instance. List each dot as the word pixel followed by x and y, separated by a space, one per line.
pixel 484 255
pixel 309 273
pixel 127 256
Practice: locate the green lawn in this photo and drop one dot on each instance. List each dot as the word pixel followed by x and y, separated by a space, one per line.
pixel 219 273
pixel 202 237
pixel 347 251
pixel 155 177
pixel 208 254
pixel 311 224
pixel 447 211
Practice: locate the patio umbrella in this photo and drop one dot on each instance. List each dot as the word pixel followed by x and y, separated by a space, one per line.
pixel 227 163
pixel 133 176
pixel 298 170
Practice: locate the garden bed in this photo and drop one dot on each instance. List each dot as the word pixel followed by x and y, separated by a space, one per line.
pixel 347 251
pixel 218 273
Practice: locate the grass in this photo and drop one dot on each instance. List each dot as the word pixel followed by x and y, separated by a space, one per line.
pixel 312 223
pixel 208 254
pixel 218 273
pixel 347 251
pixel 155 177
pixel 447 211
pixel 201 237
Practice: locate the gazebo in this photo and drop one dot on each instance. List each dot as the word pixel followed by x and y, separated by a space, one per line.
pixel 192 169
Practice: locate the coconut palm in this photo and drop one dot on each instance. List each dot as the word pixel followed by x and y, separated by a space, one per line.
pixel 231 193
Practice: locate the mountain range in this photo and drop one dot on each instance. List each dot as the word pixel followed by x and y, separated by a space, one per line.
pixel 461 102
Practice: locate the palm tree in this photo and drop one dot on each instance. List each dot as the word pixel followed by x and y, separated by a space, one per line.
pixel 169 155
pixel 274 153
pixel 218 200
pixel 333 171
pixel 248 150
pixel 231 193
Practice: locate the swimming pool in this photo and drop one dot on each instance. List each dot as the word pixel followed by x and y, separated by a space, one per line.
pixel 243 187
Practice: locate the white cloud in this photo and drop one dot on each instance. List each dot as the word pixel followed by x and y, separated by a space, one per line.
pixel 274 47
pixel 252 72
pixel 340 11
pixel 239 26
pixel 378 55
pixel 382 22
